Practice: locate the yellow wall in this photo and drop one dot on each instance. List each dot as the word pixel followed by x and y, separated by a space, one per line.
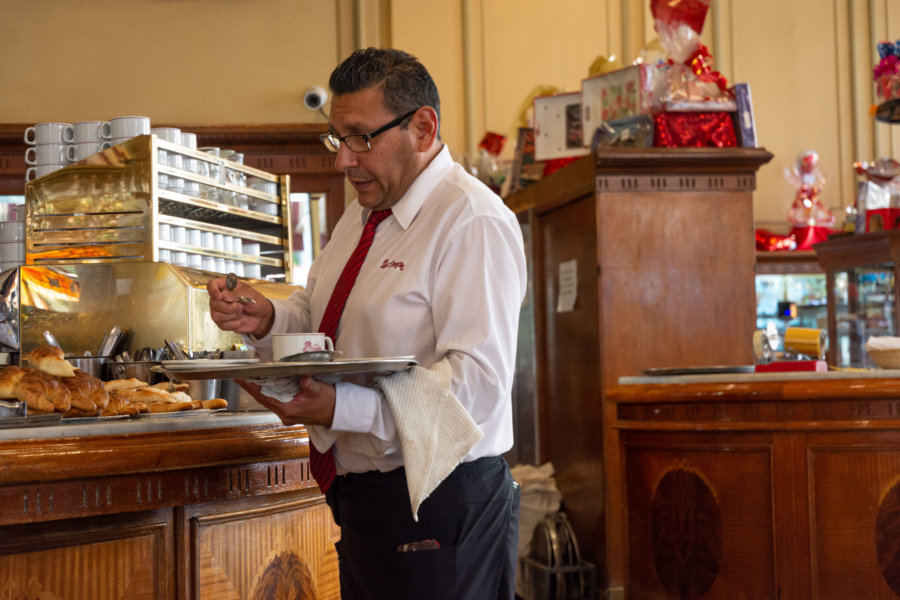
pixel 248 61
pixel 176 61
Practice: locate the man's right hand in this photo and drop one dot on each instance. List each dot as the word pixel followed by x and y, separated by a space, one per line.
pixel 232 315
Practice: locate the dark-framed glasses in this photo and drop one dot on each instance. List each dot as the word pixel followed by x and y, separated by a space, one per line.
pixel 359 142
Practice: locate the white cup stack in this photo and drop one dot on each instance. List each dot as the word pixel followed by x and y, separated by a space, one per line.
pixel 48 148
pixel 12 240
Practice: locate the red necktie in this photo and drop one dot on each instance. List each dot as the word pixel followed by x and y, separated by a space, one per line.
pixel 322 463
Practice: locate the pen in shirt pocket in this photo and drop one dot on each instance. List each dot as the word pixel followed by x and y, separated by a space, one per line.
pixel 419 546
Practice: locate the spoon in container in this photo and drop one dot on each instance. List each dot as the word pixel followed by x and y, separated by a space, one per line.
pixel 231 282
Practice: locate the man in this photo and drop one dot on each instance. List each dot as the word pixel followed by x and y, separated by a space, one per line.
pixel 443 280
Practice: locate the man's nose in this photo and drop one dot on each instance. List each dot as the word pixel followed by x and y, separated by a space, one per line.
pixel 345 158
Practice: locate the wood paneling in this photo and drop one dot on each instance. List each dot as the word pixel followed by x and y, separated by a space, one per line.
pixel 805 475
pixel 239 549
pixel 122 557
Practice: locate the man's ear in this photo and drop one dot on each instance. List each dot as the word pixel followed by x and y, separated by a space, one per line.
pixel 424 125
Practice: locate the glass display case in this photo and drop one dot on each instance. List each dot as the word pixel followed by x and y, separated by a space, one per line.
pixel 790 292
pixel 861 279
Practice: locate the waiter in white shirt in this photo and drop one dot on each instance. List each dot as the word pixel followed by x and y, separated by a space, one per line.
pixel 442 280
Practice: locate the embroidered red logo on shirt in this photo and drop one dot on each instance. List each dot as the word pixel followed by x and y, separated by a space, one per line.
pixel 393 264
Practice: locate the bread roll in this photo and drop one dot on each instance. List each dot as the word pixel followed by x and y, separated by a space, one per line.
pixel 9 379
pixel 86 392
pixel 43 392
pixel 124 384
pixel 119 405
pixel 50 359
pixel 215 403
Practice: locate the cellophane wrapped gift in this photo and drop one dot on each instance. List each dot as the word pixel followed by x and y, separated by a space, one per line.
pixel 688 81
pixel 811 221
pixel 878 194
pixel 887 82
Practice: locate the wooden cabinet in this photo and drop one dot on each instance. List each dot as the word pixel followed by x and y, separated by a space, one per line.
pixel 862 275
pixel 761 488
pixel 657 247
pixel 227 510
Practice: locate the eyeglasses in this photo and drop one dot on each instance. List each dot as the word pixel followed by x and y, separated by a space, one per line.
pixel 359 142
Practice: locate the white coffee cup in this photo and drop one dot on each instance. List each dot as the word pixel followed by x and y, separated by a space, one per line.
pixel 170 134
pixel 125 127
pixel 39 171
pixel 189 140
pixel 49 133
pixel 88 131
pixel 85 149
pixel 288 344
pixel 12 231
pixel 47 154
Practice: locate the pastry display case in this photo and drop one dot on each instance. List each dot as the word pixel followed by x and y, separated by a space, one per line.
pixel 122 205
pixel 77 302
pixel 862 278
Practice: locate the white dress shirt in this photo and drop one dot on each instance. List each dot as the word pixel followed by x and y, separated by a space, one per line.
pixel 444 277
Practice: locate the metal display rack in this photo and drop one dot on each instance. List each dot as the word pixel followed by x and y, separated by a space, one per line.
pixel 109 208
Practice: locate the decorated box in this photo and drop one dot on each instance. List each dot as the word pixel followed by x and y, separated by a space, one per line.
pixel 616 95
pixel 558 131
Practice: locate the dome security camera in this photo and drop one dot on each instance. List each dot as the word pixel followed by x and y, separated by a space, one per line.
pixel 314 97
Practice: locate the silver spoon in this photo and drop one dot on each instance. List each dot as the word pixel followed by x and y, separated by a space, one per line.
pixel 231 282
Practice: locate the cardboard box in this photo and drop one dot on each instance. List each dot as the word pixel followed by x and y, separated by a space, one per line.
pixel 558 132
pixel 616 95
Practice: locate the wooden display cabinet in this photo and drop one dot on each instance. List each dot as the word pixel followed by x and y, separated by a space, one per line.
pixel 224 508
pixel 761 486
pixel 862 275
pixel 655 244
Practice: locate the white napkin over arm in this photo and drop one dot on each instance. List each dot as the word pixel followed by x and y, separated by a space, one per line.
pixel 436 431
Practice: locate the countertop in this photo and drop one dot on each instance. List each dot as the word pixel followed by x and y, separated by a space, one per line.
pixel 760 377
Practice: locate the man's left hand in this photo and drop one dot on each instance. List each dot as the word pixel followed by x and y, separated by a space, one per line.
pixel 314 405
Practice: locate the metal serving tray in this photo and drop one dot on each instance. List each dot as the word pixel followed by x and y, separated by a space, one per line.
pixel 338 366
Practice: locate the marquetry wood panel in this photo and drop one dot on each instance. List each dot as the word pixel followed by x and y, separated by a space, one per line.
pixel 855 514
pixel 245 551
pixel 700 517
pixel 123 557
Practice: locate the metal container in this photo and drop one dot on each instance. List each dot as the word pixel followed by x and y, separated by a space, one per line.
pixel 152 302
pixel 92 365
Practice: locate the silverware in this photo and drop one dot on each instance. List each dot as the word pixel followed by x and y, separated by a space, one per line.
pixel 231 282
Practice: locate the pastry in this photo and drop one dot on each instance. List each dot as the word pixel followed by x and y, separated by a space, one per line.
pixel 9 379
pixel 85 391
pixel 52 360
pixel 43 392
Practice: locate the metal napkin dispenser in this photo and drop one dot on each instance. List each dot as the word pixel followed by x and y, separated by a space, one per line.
pixel 78 302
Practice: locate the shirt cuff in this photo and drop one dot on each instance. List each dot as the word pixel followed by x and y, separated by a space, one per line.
pixel 263 345
pixel 355 408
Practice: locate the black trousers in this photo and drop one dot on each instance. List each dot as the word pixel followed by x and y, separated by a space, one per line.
pixel 473 515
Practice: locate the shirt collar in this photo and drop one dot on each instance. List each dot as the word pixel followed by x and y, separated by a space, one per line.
pixel 408 206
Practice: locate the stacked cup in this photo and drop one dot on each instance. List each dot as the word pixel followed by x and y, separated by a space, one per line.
pixel 171 159
pixel 89 137
pixel 48 148
pixel 120 129
pixel 12 240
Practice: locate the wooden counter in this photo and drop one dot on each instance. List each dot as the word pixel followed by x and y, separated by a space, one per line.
pixel 215 507
pixel 761 487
